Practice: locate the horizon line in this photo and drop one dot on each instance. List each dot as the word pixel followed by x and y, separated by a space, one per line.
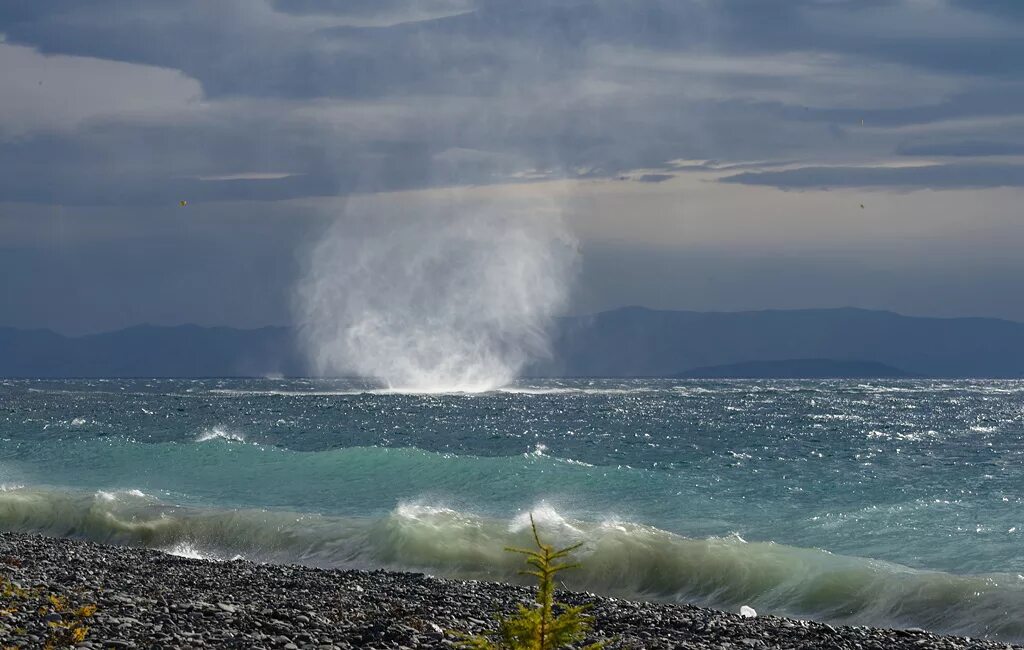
pixel 580 316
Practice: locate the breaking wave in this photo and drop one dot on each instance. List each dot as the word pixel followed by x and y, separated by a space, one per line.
pixel 619 557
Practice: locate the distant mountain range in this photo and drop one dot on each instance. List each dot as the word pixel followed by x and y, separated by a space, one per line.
pixel 627 342
pixel 151 351
pixel 635 341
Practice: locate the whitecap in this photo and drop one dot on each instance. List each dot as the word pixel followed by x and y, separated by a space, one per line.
pixel 219 433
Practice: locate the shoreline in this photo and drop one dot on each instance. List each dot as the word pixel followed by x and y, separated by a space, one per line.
pixel 149 599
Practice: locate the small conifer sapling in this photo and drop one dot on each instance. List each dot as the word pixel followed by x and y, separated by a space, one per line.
pixel 538 627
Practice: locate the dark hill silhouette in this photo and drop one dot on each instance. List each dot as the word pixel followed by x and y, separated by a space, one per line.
pixel 150 351
pixel 637 342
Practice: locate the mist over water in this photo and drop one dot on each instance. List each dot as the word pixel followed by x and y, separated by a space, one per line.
pixel 444 296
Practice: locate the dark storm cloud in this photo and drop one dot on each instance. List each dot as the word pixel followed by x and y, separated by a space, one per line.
pixel 979 101
pixel 587 89
pixel 103 165
pixel 242 48
pixel 373 9
pixel 1011 9
pixel 892 31
pixel 963 148
pixel 654 178
pixel 930 176
pixel 481 46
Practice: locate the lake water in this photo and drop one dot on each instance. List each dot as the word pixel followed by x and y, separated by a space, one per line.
pixel 885 503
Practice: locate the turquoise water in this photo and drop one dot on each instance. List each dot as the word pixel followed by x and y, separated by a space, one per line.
pixel 885 503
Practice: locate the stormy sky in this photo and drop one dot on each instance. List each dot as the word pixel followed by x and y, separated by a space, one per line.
pixel 708 154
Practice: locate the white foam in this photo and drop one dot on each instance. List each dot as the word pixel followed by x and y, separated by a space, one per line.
pixel 543 515
pixel 572 461
pixel 538 451
pixel 113 495
pixel 186 550
pixel 219 433
pixel 419 511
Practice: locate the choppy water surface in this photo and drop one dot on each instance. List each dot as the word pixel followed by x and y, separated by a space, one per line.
pixel 887 503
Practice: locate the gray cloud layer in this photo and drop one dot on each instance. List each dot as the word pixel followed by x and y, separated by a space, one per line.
pixel 351 96
pixel 114 110
pixel 946 176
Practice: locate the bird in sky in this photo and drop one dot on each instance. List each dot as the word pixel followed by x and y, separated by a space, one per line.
pixel 182 203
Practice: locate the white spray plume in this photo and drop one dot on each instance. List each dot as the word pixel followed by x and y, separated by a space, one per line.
pixel 444 296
